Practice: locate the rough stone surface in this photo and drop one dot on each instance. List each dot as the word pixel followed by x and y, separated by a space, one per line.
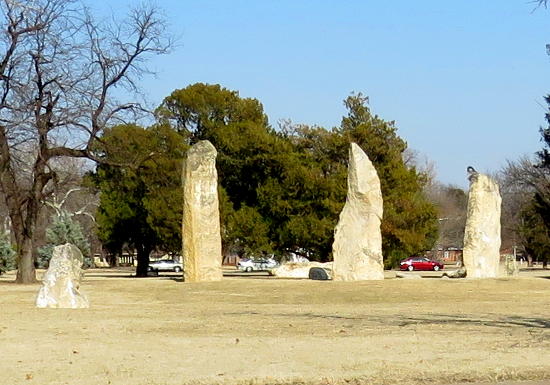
pixel 202 245
pixel 61 283
pixel 402 274
pixel 509 267
pixel 100 262
pixel 300 270
pixel 318 274
pixel 357 246
pixel 458 273
pixel 482 234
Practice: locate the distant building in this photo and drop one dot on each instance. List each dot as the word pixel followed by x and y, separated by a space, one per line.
pixel 449 255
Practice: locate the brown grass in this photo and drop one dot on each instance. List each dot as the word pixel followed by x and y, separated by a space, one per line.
pixel 257 330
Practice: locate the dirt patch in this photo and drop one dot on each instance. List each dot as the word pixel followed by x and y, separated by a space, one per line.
pixel 161 331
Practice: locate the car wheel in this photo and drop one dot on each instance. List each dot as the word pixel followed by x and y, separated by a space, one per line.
pixel 436 268
pixel 177 269
pixel 248 269
pixel 149 268
pixel 410 268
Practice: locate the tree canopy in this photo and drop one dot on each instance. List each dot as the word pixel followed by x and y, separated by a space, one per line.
pixel 283 190
pixel 141 204
pixel 58 71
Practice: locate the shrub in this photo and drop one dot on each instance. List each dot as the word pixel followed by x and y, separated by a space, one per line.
pixel 7 255
pixel 63 230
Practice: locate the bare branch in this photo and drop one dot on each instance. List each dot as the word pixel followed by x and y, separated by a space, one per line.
pixel 58 74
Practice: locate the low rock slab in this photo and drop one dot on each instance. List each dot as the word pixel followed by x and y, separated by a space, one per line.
pixel 452 273
pixel 300 270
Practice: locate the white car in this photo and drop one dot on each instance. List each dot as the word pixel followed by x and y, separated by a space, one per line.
pixel 261 264
pixel 166 265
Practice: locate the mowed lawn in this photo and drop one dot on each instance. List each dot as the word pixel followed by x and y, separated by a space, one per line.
pixel 259 330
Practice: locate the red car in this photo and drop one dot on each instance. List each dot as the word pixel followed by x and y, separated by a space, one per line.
pixel 420 263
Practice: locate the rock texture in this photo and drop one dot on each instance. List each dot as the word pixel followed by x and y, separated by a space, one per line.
pixel 509 267
pixel 300 270
pixel 202 245
pixel 357 247
pixel 61 283
pixel 318 274
pixel 458 273
pixel 481 253
pixel 402 274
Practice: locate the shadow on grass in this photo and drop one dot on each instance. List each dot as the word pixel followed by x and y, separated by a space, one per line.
pixel 435 319
pixel 528 322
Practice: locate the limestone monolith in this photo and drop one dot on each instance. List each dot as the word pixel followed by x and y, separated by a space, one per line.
pixel 201 237
pixel 61 283
pixel 357 247
pixel 481 253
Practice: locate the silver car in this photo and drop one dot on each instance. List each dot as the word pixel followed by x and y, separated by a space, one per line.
pixel 261 264
pixel 165 265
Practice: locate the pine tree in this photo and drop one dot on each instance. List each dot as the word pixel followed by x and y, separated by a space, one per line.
pixel 63 230
pixel 7 255
pixel 409 225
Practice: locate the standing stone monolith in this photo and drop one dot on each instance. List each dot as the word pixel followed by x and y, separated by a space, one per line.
pixel 357 247
pixel 61 283
pixel 201 237
pixel 481 253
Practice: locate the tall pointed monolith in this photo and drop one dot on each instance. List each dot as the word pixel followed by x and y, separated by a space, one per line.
pixel 202 246
pixel 357 247
pixel 481 254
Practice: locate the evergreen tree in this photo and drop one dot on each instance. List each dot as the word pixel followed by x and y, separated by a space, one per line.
pixel 246 145
pixel 283 191
pixel 409 225
pixel 64 229
pixel 535 233
pixel 7 254
pixel 535 225
pixel 141 205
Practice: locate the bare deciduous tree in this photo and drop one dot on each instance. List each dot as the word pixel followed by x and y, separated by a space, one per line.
pixel 451 202
pixel 59 70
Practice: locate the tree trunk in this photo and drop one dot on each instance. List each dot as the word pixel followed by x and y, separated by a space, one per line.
pixel 26 272
pixel 142 260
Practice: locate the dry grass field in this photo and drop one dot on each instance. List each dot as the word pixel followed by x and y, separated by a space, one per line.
pixel 259 330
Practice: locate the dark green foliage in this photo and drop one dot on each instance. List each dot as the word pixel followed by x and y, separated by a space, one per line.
pixel 63 230
pixel 141 203
pixel 7 255
pixel 306 197
pixel 535 227
pixel 283 191
pixel 247 150
pixel 409 225
pixel 248 232
pixel 535 232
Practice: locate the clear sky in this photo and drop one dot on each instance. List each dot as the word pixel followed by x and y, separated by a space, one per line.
pixel 463 80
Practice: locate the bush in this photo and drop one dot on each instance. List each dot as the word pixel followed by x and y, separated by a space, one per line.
pixel 63 230
pixel 7 255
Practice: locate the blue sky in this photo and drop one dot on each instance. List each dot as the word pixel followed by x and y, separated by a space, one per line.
pixel 463 80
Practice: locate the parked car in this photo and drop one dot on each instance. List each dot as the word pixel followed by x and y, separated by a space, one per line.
pixel 260 264
pixel 420 263
pixel 165 265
